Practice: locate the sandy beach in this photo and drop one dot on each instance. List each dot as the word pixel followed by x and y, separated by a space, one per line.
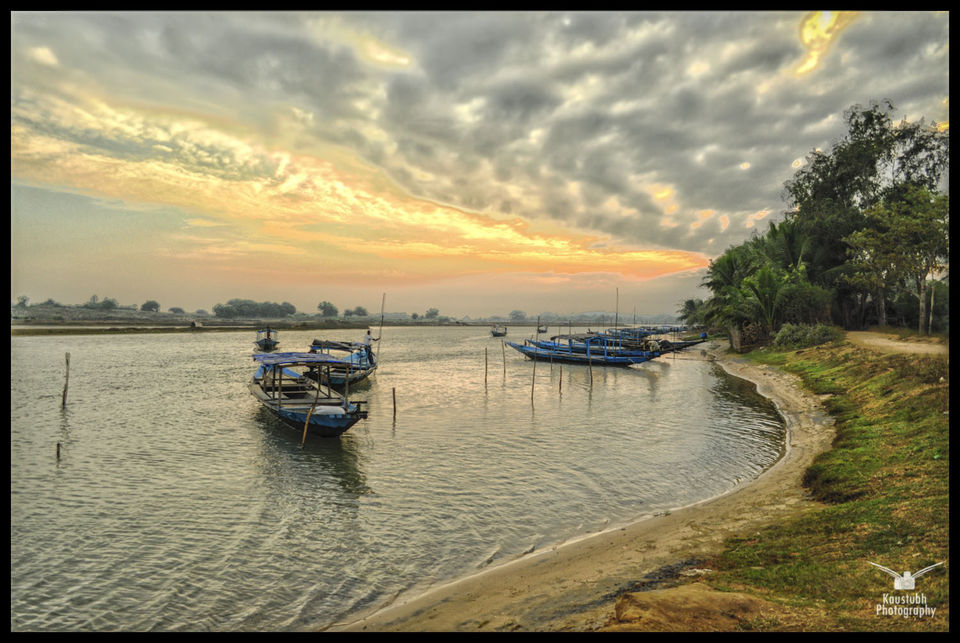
pixel 574 586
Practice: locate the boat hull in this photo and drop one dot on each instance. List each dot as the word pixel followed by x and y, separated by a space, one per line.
pixel 325 421
pixel 596 350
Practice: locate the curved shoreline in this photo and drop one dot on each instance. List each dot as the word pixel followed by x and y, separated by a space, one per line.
pixel 572 586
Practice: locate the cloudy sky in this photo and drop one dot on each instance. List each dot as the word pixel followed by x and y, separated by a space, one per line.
pixel 472 162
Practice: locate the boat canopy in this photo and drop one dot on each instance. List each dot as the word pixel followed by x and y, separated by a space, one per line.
pixel 288 359
pixel 334 345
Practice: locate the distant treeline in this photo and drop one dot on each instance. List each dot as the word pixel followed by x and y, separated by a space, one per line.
pixel 247 308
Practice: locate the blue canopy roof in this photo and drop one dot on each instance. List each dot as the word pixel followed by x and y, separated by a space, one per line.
pixel 275 359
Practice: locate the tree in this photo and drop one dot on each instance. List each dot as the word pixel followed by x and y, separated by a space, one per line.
pixel 431 313
pixel 22 301
pixel 517 315
pixel 415 316
pixel 178 311
pixel 910 235
pixel 327 309
pixel 150 306
pixel 876 160
pixel 691 312
pixel 360 311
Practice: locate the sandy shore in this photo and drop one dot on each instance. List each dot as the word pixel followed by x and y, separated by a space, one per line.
pixel 574 586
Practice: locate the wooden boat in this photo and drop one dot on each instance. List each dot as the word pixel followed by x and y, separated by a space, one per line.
pixel 592 358
pixel 599 345
pixel 667 346
pixel 499 331
pixel 541 329
pixel 267 339
pixel 359 362
pixel 300 402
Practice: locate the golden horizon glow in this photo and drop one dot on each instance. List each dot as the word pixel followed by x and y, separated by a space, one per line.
pixel 334 214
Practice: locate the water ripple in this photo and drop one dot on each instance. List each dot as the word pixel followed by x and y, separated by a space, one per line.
pixel 179 505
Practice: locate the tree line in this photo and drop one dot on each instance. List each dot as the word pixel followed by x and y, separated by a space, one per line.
pixel 865 239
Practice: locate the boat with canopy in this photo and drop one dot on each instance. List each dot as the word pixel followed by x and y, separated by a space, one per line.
pixel 282 387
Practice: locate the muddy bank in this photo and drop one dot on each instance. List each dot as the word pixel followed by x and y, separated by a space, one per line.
pixel 575 586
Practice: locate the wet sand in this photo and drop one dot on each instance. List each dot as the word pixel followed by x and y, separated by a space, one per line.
pixel 573 586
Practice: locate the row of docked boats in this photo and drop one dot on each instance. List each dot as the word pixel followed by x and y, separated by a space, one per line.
pixel 615 347
pixel 310 390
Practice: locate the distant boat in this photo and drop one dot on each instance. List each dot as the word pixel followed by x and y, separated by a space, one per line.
pixel 594 357
pixel 499 331
pixel 541 329
pixel 358 362
pixel 267 339
pixel 298 401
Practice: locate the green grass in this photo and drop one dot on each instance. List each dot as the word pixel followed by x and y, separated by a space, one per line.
pixel 883 490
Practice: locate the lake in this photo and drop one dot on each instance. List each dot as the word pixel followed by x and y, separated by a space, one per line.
pixel 177 504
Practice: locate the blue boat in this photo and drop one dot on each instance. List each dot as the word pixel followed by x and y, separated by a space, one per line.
pixel 267 339
pixel 359 362
pixel 596 356
pixel 299 401
pixel 600 344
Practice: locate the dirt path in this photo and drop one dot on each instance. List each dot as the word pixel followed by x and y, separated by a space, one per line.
pixel 888 343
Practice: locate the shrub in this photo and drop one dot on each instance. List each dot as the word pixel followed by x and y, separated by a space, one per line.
pixel 801 336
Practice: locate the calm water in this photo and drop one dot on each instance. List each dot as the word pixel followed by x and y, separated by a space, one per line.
pixel 177 504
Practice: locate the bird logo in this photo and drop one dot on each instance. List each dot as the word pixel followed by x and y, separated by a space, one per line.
pixel 907 580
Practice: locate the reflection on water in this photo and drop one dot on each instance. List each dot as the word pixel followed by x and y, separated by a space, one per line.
pixel 180 504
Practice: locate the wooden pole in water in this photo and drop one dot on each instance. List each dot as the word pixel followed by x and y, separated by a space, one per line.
pixel 590 361
pixel 503 347
pixel 484 367
pixel 534 379
pixel 316 399
pixel 66 383
pixel 380 332
pixel 58 450
pixel 394 403
pixel 561 379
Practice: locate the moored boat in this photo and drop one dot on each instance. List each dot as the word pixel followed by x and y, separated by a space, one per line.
pixel 299 401
pixel 267 339
pixel 594 357
pixel 599 345
pixel 499 331
pixel 358 362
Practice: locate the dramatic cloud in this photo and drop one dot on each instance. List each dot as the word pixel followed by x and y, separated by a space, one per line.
pixel 411 147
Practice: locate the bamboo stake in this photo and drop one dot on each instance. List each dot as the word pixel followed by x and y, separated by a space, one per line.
pixel 590 361
pixel 534 379
pixel 503 347
pixel 380 332
pixel 394 403
pixel 561 379
pixel 66 383
pixel 316 399
pixel 484 367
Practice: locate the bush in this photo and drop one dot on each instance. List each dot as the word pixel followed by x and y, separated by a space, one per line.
pixel 801 336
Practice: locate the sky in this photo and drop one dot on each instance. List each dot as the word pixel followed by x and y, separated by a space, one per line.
pixel 473 162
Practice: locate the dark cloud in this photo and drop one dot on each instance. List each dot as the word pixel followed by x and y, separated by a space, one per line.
pixel 530 103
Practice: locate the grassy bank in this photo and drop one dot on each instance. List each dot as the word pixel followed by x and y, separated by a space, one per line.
pixel 882 496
